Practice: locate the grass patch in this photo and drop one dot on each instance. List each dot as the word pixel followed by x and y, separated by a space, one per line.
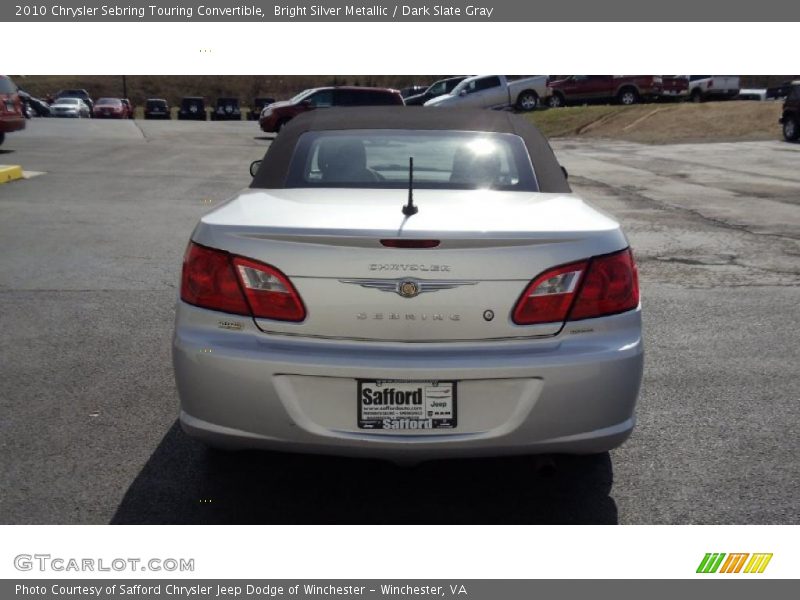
pixel 665 123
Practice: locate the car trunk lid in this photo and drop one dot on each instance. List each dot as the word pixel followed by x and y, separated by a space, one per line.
pixel 336 247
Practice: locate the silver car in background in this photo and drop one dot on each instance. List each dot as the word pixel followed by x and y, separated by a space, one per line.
pixel 70 107
pixel 409 284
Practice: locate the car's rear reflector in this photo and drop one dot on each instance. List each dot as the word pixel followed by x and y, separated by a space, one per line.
pixel 596 287
pixel 217 280
pixel 410 243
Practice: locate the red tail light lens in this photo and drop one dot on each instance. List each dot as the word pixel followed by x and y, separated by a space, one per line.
pixel 548 298
pixel 209 281
pixel 217 280
pixel 611 286
pixel 592 288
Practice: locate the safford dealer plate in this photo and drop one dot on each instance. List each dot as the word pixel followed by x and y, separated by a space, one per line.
pixel 406 405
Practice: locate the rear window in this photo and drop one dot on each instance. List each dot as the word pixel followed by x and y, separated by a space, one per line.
pixel 442 160
pixel 110 101
pixel 7 86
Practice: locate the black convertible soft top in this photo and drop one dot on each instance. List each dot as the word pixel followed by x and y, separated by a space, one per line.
pixel 274 169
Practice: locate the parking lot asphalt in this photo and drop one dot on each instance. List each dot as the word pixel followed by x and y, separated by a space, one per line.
pixel 91 252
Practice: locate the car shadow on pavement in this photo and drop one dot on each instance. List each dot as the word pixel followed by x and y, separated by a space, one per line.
pixel 183 482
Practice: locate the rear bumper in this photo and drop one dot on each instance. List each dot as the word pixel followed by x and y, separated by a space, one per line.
pixel 244 389
pixel 11 123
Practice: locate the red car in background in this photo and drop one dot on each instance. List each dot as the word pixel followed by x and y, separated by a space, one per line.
pixel 675 86
pixel 277 114
pixel 111 108
pixel 11 116
pixel 623 89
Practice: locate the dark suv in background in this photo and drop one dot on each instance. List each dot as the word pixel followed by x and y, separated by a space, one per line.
pixel 791 113
pixel 11 115
pixel 277 114
pixel 156 108
pixel 227 109
pixel 193 108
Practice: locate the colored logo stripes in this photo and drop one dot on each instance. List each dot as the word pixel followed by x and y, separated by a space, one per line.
pixel 719 562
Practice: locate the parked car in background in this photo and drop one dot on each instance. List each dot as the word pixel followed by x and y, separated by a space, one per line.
pixel 76 93
pixel 277 114
pixel 193 108
pixel 623 89
pixel 258 105
pixel 495 91
pixel 790 119
pixel 779 91
pixel 110 108
pixel 129 109
pixel 11 113
pixel 713 87
pixel 74 108
pixel 674 87
pixel 758 94
pixel 438 88
pixel 412 90
pixel 35 106
pixel 327 309
pixel 227 109
pixel 156 108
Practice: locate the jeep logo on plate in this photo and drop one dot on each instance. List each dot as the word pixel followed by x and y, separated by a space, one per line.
pixel 408 289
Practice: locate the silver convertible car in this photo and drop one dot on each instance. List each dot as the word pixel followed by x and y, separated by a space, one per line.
pixel 409 284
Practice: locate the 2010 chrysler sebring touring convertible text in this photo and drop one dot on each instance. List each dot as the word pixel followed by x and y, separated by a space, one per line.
pixel 409 284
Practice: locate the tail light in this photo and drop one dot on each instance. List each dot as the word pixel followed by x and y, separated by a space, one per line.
pixel 217 280
pixel 600 286
pixel 548 298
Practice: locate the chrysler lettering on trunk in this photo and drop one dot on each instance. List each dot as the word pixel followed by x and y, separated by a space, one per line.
pixel 409 267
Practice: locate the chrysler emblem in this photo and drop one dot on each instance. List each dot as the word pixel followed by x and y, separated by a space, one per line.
pixel 409 288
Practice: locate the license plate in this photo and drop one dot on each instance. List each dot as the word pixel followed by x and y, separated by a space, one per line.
pixel 407 405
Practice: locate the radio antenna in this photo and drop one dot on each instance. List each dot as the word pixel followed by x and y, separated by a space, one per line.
pixel 409 209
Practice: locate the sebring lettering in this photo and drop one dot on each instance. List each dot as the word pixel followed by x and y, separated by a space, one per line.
pixel 362 316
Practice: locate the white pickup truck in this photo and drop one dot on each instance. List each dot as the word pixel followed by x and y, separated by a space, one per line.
pixel 713 87
pixel 495 91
